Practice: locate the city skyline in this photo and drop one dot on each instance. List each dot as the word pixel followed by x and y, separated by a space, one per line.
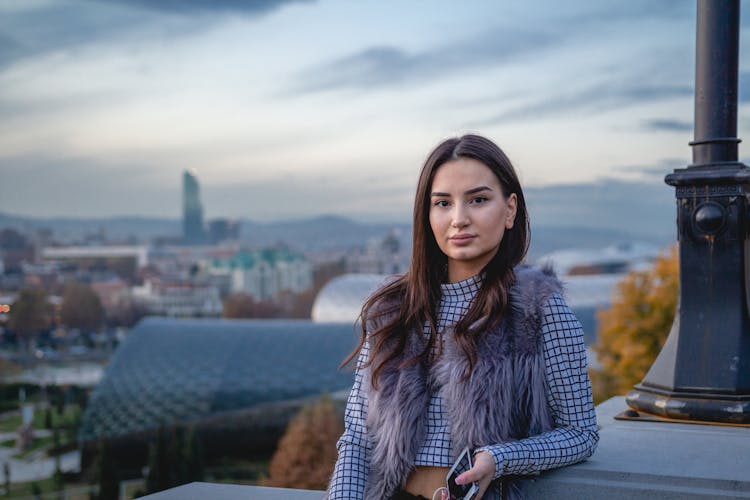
pixel 288 109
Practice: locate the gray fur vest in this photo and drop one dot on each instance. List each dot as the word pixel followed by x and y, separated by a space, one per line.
pixel 503 399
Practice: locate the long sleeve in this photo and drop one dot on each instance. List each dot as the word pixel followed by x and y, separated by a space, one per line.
pixel 353 463
pixel 575 435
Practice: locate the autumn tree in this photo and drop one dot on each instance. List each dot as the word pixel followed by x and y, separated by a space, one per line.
pixel 242 305
pixel 30 314
pixel 632 331
pixel 306 452
pixel 81 307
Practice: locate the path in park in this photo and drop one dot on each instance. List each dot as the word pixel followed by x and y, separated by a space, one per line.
pixel 38 466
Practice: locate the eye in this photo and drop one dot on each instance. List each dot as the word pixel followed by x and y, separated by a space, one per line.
pixel 479 200
pixel 441 203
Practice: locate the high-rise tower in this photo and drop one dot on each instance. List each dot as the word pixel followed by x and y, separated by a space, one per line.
pixel 192 210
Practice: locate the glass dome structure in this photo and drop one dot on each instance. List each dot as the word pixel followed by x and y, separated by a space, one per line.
pixel 341 299
pixel 183 370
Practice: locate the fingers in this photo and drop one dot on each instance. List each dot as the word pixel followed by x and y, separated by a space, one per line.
pixel 483 469
pixel 482 489
pixel 469 476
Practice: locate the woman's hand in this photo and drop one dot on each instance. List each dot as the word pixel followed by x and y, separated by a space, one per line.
pixel 482 472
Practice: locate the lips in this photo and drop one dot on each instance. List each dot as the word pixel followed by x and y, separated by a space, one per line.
pixel 462 239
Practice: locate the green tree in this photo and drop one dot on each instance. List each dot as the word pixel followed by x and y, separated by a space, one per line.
pixel 632 331
pixel 109 484
pixel 30 314
pixel 36 490
pixel 306 452
pixel 57 477
pixel 81 307
pixel 6 478
pixel 158 464
pixel 196 467
pixel 176 457
pixel 48 418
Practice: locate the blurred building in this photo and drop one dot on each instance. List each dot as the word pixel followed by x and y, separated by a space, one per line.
pixel 193 231
pixel 264 274
pixel 383 256
pixel 614 259
pixel 114 295
pixel 172 297
pixel 220 230
pixel 121 261
pixel 15 249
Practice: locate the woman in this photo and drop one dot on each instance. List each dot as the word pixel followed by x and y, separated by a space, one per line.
pixel 467 349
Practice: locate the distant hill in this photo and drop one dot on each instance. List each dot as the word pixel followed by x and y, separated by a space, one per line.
pixel 315 233
pixel 318 233
pixel 545 239
pixel 141 228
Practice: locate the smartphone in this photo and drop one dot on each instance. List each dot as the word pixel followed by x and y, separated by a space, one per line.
pixel 461 491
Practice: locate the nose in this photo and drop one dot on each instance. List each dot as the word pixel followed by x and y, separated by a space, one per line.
pixel 460 217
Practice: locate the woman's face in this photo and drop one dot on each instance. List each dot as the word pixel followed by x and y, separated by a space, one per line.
pixel 468 215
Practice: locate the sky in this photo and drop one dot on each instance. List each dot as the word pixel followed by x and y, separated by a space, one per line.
pixel 300 108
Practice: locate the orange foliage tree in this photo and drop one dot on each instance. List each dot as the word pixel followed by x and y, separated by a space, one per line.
pixel 306 452
pixel 632 331
pixel 242 305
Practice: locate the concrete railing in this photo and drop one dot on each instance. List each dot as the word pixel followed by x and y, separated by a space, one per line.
pixel 634 460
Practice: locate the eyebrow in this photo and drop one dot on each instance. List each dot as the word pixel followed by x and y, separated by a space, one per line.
pixel 470 191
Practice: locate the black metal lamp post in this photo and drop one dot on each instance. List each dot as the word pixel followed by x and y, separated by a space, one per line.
pixel 703 370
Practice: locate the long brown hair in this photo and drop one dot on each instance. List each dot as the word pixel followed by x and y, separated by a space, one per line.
pixel 410 302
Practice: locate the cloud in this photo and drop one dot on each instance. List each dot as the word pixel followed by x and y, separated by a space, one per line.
pixel 9 49
pixel 29 31
pixel 595 98
pixel 668 125
pixel 659 170
pixel 209 6
pixel 638 208
pixel 40 185
pixel 386 66
pixel 744 86
pixel 634 10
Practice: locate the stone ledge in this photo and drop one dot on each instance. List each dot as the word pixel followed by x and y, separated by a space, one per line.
pixel 640 460
pixel 634 460
pixel 203 491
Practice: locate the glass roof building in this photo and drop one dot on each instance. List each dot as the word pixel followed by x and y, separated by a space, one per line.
pixel 341 299
pixel 184 370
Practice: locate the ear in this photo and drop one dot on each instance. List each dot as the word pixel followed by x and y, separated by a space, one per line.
pixel 512 203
